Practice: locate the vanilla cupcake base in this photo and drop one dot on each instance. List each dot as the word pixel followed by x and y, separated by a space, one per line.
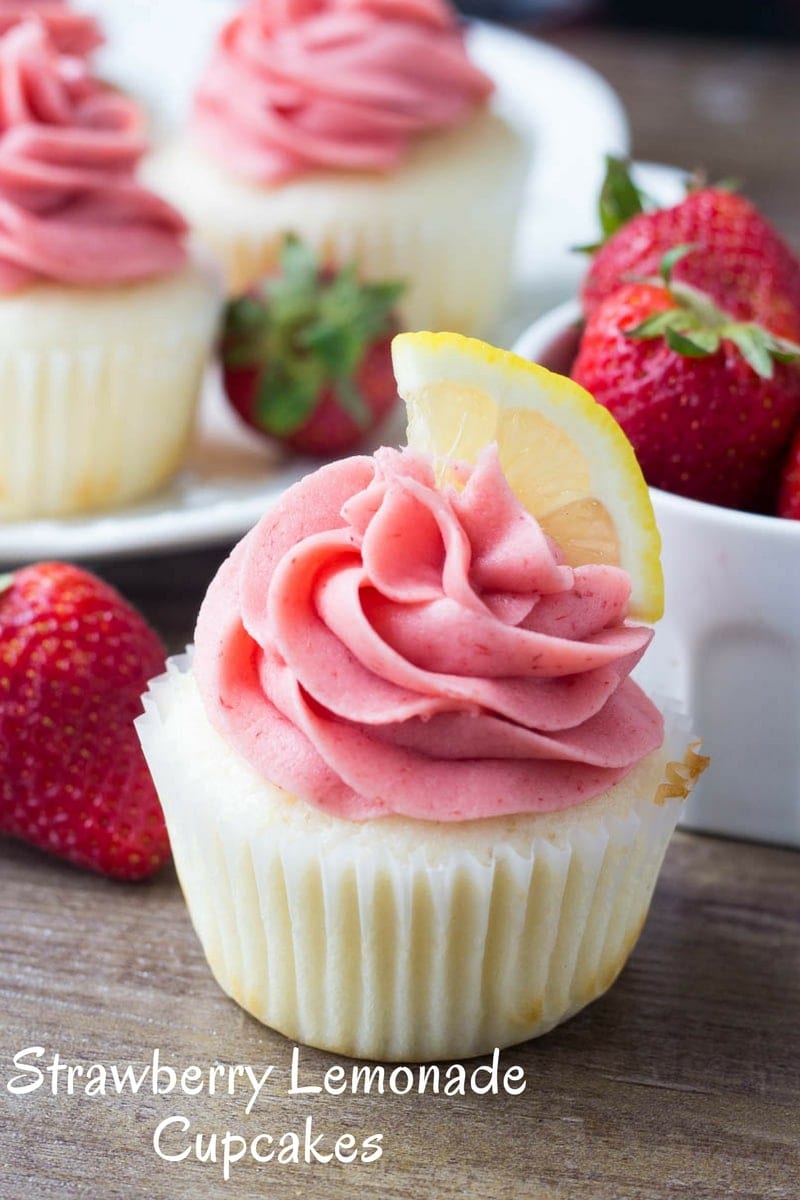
pixel 397 939
pixel 444 220
pixel 98 389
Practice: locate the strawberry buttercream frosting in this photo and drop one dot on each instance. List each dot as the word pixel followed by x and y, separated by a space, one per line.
pixel 376 645
pixel 72 32
pixel 295 85
pixel 71 209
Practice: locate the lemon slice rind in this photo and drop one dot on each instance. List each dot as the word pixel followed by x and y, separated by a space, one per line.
pixel 495 389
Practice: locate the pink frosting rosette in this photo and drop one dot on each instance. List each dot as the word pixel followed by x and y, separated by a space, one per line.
pixel 376 645
pixel 71 209
pixel 72 32
pixel 295 85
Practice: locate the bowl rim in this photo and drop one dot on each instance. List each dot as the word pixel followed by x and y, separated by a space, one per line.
pixel 534 340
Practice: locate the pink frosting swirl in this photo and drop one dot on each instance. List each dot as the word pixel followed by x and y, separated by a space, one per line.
pixel 343 84
pixel 375 645
pixel 72 32
pixel 71 209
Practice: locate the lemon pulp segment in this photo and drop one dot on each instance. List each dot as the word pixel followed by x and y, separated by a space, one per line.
pixel 564 455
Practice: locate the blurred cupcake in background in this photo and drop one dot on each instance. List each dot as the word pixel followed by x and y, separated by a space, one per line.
pixel 362 127
pixel 72 32
pixel 105 323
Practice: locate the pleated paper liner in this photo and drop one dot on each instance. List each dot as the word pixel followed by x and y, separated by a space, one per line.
pixel 443 221
pixel 397 939
pixel 99 389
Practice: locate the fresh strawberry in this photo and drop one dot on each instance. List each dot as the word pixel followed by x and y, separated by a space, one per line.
pixel 789 495
pixel 737 257
pixel 307 357
pixel 74 661
pixel 707 402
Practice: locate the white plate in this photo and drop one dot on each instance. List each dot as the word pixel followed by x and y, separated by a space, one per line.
pixel 571 116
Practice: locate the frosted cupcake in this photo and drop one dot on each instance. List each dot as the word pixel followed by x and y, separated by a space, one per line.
pixel 417 804
pixel 105 324
pixel 72 32
pixel 363 128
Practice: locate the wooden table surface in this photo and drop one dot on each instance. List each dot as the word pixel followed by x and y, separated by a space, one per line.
pixel 684 1081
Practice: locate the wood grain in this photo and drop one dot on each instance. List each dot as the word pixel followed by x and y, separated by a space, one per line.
pixel 682 1082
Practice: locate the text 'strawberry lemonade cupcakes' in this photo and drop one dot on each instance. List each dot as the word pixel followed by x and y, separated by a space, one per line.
pixel 417 804
pixel 105 324
pixel 72 32
pixel 362 127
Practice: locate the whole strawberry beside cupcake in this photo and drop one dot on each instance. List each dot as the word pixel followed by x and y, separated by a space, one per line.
pixel 692 340
pixel 105 320
pixel 74 657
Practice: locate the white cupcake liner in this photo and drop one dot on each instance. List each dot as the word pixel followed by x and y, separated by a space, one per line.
pixel 444 221
pixel 398 939
pixel 98 390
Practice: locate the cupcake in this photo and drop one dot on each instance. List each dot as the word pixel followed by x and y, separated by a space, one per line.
pixel 72 32
pixel 363 128
pixel 105 323
pixel 417 804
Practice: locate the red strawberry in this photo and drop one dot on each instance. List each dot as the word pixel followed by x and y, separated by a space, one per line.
pixel 708 403
pixel 74 661
pixel 789 495
pixel 307 358
pixel 737 258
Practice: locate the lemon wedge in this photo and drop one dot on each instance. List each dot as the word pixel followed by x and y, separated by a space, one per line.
pixel 564 455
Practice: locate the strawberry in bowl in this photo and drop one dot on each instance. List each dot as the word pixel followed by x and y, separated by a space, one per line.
pixel 306 356
pixel 708 401
pixel 701 371
pixel 739 259
pixel 789 494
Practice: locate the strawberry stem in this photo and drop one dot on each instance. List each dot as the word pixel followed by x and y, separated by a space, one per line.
pixel 672 257
pixel 308 328
pixel 619 200
pixel 695 326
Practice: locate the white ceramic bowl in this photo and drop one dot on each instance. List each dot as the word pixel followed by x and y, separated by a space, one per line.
pixel 729 643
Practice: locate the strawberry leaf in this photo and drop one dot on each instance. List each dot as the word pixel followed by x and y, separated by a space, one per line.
pixel 382 300
pixel 288 395
pixel 620 199
pixel 338 348
pixel 245 314
pixel 753 343
pixel 587 248
pixel 695 325
pixel 784 350
pixel 5 582
pixel 673 256
pixel 245 330
pixel 307 328
pixel 705 339
pixel 299 264
pixel 686 346
pixel 655 326
pixel 353 403
pixel 730 183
